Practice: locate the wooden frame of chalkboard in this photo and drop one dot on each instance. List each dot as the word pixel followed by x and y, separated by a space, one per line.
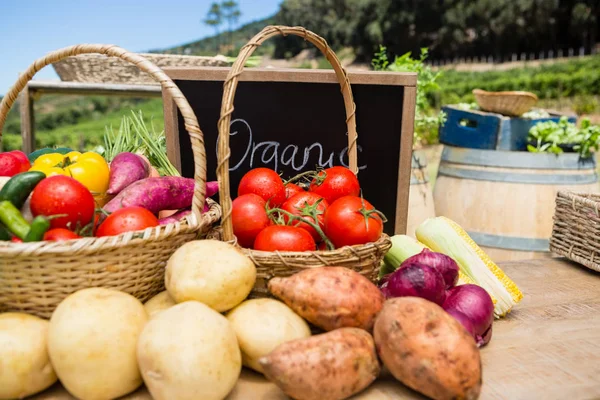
pixel 385 107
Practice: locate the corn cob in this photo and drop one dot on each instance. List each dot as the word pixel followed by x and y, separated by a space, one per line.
pixel 446 236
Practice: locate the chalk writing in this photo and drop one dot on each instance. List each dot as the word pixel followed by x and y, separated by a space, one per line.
pixel 268 152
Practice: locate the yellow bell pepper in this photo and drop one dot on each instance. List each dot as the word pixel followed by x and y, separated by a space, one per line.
pixel 89 168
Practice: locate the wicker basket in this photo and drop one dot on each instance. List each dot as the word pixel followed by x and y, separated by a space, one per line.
pixel 364 259
pixel 93 68
pixel 36 277
pixel 576 230
pixel 513 104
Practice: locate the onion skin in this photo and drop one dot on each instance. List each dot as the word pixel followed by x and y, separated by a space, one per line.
pixel 474 302
pixel 415 280
pixel 440 262
pixel 464 321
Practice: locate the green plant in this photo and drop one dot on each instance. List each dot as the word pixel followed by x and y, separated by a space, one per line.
pixel 427 119
pixel 585 104
pixel 556 137
pixel 136 137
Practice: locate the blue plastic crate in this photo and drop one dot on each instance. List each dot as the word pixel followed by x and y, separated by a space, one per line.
pixel 483 130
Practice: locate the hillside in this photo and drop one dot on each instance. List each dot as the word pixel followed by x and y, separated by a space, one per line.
pixel 209 45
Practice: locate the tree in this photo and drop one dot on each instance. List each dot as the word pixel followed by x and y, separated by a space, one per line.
pixel 231 12
pixel 214 18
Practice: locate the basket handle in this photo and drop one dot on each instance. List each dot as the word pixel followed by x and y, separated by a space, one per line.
pixel 230 86
pixel 190 120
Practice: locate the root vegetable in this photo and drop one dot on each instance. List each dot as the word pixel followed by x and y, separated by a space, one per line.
pixel 159 303
pixel 330 297
pixel 278 324
pixel 125 169
pixel 476 304
pixel 155 194
pixel 212 272
pixel 417 280
pixel 189 352
pixel 25 367
pixel 177 216
pixel 427 349
pixel 329 366
pixel 92 341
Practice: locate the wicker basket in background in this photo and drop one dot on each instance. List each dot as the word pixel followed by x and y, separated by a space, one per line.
pixel 36 277
pixel 576 230
pixel 513 104
pixel 95 68
pixel 364 259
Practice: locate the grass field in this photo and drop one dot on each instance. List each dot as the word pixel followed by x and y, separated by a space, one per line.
pixel 87 133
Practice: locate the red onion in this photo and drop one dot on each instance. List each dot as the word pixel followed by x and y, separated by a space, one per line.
pixel 464 320
pixel 415 280
pixel 474 302
pixel 440 262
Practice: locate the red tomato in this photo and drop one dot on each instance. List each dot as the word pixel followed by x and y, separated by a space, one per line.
pixel 127 219
pixel 249 217
pixel 351 220
pixel 264 182
pixel 291 189
pixel 58 234
pixel 15 239
pixel 303 204
pixel 284 238
pixel 335 182
pixel 22 157
pixel 322 246
pixel 9 164
pixel 61 194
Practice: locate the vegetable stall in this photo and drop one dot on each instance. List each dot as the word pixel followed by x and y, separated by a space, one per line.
pixel 116 281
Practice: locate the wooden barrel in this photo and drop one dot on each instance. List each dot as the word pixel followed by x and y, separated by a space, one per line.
pixel 420 199
pixel 505 200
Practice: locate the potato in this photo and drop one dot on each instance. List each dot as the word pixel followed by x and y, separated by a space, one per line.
pixel 92 343
pixel 212 272
pixel 427 349
pixel 159 303
pixel 25 368
pixel 330 297
pixel 263 324
pixel 330 366
pixel 189 352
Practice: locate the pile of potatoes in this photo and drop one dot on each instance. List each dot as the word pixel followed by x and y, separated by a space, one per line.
pixel 191 341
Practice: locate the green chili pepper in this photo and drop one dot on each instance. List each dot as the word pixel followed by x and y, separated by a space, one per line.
pixel 4 233
pixel 39 226
pixel 11 217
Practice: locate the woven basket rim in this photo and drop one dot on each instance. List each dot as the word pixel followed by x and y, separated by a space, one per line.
pixel 92 244
pixel 383 239
pixel 511 93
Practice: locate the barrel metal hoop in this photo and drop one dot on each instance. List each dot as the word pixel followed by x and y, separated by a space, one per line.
pixel 509 177
pixel 516 159
pixel 510 242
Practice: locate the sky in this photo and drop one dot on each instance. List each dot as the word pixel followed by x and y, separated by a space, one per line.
pixel 30 29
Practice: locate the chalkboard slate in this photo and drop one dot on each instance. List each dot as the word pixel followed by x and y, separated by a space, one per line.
pixel 293 126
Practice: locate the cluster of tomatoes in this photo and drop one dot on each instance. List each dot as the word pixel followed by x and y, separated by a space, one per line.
pixel 325 213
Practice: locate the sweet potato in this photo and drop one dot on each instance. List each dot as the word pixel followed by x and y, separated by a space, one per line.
pixel 330 366
pixel 155 194
pixel 125 169
pixel 330 297
pixel 178 216
pixel 427 349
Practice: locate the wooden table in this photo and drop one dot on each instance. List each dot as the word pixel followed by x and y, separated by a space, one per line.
pixel 548 347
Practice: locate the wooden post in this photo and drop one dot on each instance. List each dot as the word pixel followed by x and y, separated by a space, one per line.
pixel 27 121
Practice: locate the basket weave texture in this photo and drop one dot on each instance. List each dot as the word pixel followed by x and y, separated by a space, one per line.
pixel 93 68
pixel 513 104
pixel 364 259
pixel 576 230
pixel 36 277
